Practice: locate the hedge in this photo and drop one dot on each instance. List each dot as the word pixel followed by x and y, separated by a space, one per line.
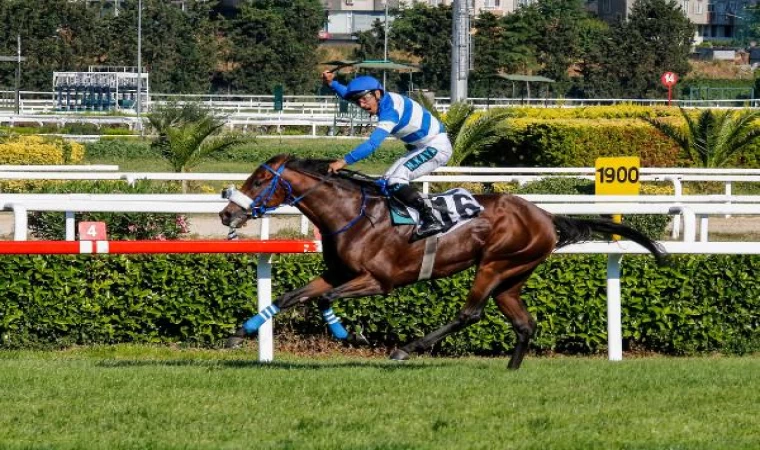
pixel 39 150
pixel 699 304
pixel 577 143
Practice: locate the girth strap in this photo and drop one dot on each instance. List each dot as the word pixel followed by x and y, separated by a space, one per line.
pixel 428 259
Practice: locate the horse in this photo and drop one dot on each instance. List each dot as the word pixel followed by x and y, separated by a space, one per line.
pixel 365 254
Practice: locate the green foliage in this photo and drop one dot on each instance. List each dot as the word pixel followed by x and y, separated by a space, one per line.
pixel 698 304
pixel 656 38
pixel 425 32
pixel 179 47
pixel 188 133
pixel 470 133
pixel 713 139
pixel 575 143
pixel 119 149
pixel 274 42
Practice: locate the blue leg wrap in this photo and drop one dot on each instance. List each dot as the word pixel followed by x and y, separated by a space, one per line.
pixel 334 323
pixel 253 324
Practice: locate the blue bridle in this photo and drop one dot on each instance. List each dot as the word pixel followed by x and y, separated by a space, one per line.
pixel 258 204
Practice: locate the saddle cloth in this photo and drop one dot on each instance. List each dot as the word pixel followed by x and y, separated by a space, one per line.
pixel 453 207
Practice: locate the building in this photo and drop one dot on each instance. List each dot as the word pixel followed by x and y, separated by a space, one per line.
pixel 715 19
pixel 346 17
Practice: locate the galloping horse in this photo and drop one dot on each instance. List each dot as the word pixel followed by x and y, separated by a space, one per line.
pixel 366 254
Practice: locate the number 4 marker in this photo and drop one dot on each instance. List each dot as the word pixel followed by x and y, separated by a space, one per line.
pixel 92 231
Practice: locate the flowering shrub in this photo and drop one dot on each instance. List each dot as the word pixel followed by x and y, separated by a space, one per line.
pixel 40 150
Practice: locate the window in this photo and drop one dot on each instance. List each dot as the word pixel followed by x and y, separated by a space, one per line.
pixel 685 6
pixel 698 8
pixel 497 3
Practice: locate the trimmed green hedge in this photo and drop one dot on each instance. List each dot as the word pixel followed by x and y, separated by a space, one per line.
pixel 699 304
pixel 257 152
pixel 577 143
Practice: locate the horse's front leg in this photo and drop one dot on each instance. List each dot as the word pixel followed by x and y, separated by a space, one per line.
pixel 314 288
pixel 323 288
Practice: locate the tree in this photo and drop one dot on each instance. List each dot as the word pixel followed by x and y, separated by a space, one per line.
pixel 655 39
pixel 275 42
pixel 714 138
pixel 371 43
pixel 188 133
pixel 470 132
pixel 178 47
pixel 558 44
pixel 425 32
pixel 593 62
pixel 56 35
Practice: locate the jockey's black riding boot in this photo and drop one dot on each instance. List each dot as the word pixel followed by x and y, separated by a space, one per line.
pixel 429 224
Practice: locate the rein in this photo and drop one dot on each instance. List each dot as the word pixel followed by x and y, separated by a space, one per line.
pixel 258 205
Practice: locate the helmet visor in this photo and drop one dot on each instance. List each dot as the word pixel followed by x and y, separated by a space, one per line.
pixel 355 97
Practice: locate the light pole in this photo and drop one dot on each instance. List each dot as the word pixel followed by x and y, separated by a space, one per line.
pixel 385 36
pixel 18 73
pixel 17 59
pixel 139 66
pixel 460 50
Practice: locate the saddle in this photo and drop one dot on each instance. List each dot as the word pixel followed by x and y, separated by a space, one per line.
pixel 453 207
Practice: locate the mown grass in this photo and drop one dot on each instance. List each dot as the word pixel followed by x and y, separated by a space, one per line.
pixel 149 397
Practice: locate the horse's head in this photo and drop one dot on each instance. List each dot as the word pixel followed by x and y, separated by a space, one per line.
pixel 263 191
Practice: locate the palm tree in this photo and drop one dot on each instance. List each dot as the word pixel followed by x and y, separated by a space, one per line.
pixel 187 134
pixel 713 138
pixel 469 132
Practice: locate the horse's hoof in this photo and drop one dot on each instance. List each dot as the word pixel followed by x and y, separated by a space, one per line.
pixel 399 355
pixel 357 340
pixel 236 340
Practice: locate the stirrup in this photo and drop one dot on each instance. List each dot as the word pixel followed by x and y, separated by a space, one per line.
pixel 430 230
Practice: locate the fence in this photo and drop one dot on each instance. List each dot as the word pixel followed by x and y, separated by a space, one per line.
pixel 263 269
pixel 614 250
pixel 690 208
pixel 35 102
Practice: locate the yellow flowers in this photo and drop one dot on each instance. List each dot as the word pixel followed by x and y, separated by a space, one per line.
pixel 40 150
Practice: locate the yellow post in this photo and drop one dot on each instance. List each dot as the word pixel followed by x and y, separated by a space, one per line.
pixel 617 218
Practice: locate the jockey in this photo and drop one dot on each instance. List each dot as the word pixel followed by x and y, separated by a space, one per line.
pixel 408 121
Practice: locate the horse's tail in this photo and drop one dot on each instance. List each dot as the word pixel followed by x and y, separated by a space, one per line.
pixel 573 230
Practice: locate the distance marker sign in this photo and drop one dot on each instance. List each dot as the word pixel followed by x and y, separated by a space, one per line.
pixel 617 175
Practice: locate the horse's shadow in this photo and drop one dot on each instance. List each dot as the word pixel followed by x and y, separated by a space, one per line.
pixel 389 366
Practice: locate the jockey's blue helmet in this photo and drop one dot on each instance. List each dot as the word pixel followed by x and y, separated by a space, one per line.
pixel 360 86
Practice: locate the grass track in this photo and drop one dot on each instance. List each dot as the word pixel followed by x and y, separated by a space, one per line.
pixel 143 397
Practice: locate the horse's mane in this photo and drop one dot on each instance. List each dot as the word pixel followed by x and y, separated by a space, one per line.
pixel 347 178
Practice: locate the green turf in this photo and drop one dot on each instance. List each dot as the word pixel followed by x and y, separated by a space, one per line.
pixel 143 397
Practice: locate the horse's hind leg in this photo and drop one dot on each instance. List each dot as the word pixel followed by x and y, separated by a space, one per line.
pixel 486 278
pixel 507 296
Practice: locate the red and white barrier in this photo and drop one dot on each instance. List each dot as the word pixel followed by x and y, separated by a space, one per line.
pixel 139 247
pixel 262 248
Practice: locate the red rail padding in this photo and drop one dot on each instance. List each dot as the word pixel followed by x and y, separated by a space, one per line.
pixel 139 247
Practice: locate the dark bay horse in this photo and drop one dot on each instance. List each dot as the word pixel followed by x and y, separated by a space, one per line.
pixel 366 255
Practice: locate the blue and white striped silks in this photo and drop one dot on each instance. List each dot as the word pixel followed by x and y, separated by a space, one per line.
pixel 333 322
pixel 253 324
